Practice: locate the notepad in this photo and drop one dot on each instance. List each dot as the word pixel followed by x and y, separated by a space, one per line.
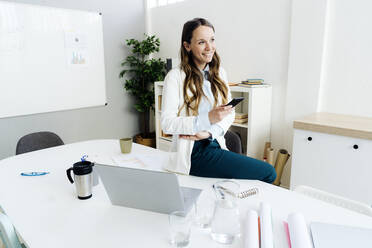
pixel 331 235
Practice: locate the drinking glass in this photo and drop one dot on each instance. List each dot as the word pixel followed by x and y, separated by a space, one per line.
pixel 125 145
pixel 180 228
pixel 204 208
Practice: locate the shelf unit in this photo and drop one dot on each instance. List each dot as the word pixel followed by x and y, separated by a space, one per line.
pixel 254 133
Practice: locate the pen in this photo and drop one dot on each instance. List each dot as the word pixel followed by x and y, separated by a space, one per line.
pixel 34 173
pixel 84 158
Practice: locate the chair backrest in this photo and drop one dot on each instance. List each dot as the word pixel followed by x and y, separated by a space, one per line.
pixel 7 233
pixel 233 142
pixel 36 141
pixel 335 199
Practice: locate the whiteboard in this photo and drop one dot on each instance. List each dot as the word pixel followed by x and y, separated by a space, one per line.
pixel 51 59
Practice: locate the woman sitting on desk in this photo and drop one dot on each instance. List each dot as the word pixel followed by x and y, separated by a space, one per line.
pixel 195 112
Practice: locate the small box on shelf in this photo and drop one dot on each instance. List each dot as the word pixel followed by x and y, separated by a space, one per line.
pixel 165 135
pixel 241 121
pixel 241 118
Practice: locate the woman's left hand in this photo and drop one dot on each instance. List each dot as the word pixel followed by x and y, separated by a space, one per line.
pixel 198 136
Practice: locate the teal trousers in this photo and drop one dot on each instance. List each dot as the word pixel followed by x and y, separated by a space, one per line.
pixel 209 160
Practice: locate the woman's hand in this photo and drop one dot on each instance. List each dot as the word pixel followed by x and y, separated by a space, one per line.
pixel 198 136
pixel 218 113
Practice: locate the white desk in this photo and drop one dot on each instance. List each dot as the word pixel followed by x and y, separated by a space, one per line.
pixel 46 212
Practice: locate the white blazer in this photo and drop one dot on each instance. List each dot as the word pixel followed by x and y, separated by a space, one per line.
pixel 171 123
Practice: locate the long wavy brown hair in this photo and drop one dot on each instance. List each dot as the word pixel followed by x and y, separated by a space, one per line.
pixel 194 78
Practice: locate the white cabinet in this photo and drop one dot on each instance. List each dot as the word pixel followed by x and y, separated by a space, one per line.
pixel 254 133
pixel 327 157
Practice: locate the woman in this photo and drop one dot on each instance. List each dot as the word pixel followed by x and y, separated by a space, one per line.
pixel 194 112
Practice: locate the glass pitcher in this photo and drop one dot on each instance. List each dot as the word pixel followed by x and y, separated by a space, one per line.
pixel 225 226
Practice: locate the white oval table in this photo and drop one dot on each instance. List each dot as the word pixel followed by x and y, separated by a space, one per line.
pixel 46 212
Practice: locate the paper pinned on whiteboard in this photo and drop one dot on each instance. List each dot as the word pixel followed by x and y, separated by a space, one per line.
pixel 76 48
pixel 77 57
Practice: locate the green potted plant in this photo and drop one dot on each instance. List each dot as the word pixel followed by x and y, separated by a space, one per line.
pixel 140 73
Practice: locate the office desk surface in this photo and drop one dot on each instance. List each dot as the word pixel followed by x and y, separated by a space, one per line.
pixel 46 212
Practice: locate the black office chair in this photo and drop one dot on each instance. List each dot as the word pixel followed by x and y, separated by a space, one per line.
pixel 233 142
pixel 37 141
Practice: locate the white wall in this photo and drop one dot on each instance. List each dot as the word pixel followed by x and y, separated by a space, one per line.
pixel 330 58
pixel 306 55
pixel 121 20
pixel 252 39
pixel 347 81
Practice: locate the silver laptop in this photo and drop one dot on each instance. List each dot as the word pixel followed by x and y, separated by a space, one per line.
pixel 155 191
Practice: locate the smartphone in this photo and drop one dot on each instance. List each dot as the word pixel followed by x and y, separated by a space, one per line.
pixel 235 101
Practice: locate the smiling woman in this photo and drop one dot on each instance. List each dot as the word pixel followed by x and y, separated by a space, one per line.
pixel 194 111
pixel 198 50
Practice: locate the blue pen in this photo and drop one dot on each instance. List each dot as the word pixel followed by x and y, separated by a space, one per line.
pixel 84 158
pixel 31 174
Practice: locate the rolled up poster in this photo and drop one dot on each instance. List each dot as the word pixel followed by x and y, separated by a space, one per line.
pixel 270 156
pixel 267 145
pixel 267 240
pixel 298 231
pixel 281 160
pixel 251 237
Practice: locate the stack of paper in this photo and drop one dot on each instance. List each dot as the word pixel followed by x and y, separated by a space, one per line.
pixel 253 81
pixel 144 161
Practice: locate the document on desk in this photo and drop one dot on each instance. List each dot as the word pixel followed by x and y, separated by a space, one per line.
pixel 128 160
pixel 154 161
pixel 99 159
pixel 144 161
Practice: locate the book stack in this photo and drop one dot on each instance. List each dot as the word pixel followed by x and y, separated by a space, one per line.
pixel 241 118
pixel 254 81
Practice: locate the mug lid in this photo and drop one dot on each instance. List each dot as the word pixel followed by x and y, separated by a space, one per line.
pixel 83 167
